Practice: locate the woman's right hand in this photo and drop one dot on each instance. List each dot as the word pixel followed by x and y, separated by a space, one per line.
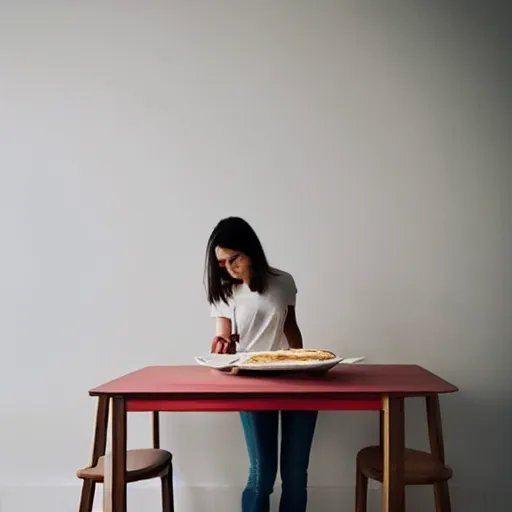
pixel 222 345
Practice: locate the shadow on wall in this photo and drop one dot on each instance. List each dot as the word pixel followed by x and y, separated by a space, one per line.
pixel 472 425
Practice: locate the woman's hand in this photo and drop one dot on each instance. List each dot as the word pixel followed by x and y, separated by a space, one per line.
pixel 223 345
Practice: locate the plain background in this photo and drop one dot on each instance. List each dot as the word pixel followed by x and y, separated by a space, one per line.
pixel 367 142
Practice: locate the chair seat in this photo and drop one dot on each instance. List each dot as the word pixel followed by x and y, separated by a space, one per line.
pixel 421 468
pixel 141 464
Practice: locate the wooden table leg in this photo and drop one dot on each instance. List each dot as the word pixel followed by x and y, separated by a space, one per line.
pixel 381 430
pixel 435 434
pixel 115 469
pixel 393 490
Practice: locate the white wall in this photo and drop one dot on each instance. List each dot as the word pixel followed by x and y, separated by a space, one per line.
pixel 367 142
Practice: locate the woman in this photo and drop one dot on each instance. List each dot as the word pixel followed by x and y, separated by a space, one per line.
pixel 245 291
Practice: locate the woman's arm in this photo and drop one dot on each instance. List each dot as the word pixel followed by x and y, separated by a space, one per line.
pixel 223 327
pixel 291 329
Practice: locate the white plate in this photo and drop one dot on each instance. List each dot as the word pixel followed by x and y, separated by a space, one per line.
pixel 226 361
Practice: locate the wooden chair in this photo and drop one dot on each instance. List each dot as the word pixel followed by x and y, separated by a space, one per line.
pixel 420 468
pixel 141 464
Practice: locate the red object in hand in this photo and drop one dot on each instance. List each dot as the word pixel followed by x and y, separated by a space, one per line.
pixel 221 345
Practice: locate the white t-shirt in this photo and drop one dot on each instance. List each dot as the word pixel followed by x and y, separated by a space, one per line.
pixel 260 318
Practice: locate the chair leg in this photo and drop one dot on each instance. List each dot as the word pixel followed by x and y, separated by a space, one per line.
pixel 167 491
pixel 442 497
pixel 435 432
pixel 361 491
pixel 87 497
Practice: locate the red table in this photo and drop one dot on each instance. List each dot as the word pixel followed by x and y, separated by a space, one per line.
pixel 345 388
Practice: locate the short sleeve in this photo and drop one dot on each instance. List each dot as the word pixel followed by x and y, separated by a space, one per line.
pixel 220 310
pixel 291 290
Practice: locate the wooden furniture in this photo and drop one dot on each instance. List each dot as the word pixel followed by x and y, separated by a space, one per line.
pixel 420 468
pixel 141 464
pixel 344 388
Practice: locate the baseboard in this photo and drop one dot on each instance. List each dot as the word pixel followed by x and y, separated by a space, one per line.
pixel 64 498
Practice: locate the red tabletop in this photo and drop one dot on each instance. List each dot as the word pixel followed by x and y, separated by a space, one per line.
pixel 156 382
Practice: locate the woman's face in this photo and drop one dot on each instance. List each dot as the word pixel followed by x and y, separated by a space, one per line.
pixel 237 264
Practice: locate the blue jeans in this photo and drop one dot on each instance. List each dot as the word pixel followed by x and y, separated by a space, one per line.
pixel 261 435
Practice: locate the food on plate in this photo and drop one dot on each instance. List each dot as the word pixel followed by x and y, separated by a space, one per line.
pixel 292 355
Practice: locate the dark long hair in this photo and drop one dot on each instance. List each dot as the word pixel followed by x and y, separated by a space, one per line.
pixel 236 234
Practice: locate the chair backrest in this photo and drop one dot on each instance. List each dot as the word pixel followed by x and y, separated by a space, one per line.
pixel 101 429
pixel 156 429
pixel 99 443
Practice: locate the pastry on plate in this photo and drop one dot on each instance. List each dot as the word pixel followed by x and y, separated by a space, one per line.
pixel 293 355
